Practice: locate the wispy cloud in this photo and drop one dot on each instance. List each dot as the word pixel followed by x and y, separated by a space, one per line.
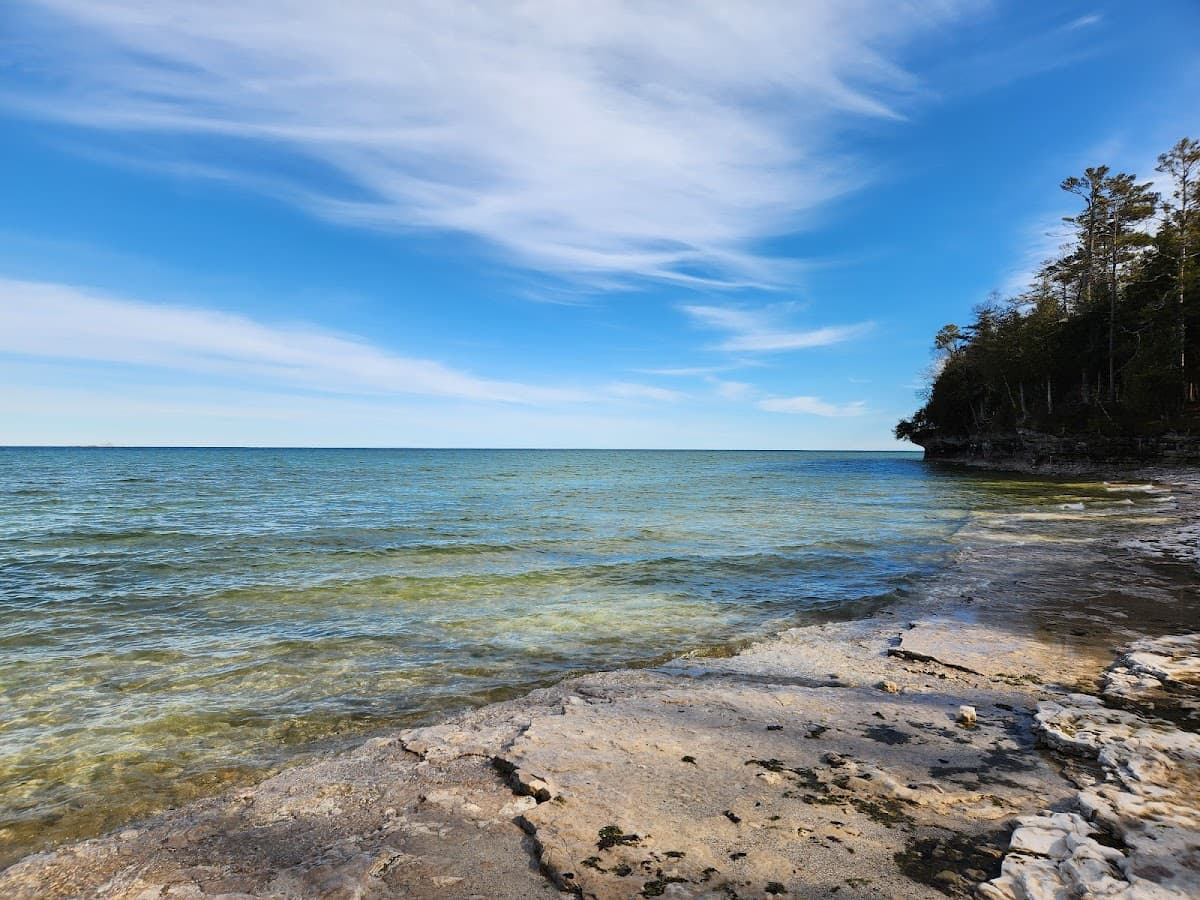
pixel 605 140
pixel 1085 21
pixel 812 406
pixel 698 371
pixel 763 330
pixel 644 392
pixel 993 53
pixel 63 322
pixel 733 390
pixel 1041 239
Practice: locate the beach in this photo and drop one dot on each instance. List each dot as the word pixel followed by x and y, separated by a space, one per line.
pixel 890 755
pixel 502 451
pixel 182 622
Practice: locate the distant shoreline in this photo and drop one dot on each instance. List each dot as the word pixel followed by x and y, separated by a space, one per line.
pixel 452 449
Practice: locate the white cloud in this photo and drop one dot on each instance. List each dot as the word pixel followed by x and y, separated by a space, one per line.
pixel 761 330
pixel 644 392
pixel 812 406
pixel 1085 21
pixel 699 371
pixel 733 390
pixel 1041 239
pixel 53 411
pixel 684 371
pixel 63 322
pixel 605 139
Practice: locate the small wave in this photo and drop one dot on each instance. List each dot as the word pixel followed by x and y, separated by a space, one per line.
pixel 1070 506
pixel 463 549
pixel 1131 488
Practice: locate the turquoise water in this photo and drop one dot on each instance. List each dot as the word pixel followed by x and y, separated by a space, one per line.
pixel 175 621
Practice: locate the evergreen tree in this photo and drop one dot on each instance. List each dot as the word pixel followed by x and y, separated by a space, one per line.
pixel 1104 341
pixel 1127 204
pixel 1182 163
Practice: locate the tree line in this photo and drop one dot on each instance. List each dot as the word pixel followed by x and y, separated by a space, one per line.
pixel 1107 338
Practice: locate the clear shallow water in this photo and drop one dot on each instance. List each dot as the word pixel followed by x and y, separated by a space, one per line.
pixel 175 621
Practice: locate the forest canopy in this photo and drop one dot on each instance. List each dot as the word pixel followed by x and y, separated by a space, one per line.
pixel 1107 338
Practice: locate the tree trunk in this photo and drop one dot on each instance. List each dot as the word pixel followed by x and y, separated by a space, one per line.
pixel 1008 388
pixel 1189 390
pixel 1091 252
pixel 1112 304
pixel 1112 316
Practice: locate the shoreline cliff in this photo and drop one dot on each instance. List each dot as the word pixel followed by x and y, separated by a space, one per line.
pixel 1097 361
pixel 1026 450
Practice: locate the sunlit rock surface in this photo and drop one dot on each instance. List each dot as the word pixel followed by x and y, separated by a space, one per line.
pixel 1162 674
pixel 1138 834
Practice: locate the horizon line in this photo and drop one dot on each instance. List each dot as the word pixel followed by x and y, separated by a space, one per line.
pixel 105 446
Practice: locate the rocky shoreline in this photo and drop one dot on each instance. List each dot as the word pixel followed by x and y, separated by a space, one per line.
pixel 958 744
pixel 1024 450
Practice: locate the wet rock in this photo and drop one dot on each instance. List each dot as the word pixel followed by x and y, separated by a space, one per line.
pixel 948 878
pixel 1162 674
pixel 953 863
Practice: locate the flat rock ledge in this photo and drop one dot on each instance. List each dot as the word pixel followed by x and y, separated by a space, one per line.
pixel 821 763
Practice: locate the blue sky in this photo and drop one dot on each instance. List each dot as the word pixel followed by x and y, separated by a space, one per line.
pixel 557 224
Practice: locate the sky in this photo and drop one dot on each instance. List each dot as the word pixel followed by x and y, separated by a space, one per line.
pixel 545 223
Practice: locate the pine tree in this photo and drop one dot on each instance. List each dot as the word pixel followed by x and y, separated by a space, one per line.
pixel 1088 225
pixel 1182 163
pixel 1127 204
pixel 1105 337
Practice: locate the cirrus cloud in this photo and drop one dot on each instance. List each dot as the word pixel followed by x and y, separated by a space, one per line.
pixel 614 139
pixel 761 330
pixel 62 322
pixel 812 406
